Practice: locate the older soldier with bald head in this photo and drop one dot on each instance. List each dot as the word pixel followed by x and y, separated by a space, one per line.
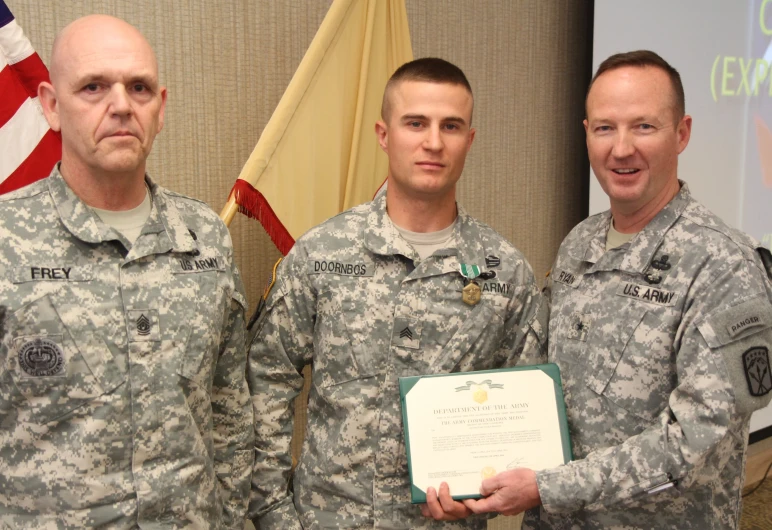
pixel 123 400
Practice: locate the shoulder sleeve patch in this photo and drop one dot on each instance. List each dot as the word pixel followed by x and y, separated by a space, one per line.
pixel 737 322
pixel 756 366
pixel 742 335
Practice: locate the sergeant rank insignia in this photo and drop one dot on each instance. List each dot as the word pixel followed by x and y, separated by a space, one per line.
pixel 471 292
pixel 756 365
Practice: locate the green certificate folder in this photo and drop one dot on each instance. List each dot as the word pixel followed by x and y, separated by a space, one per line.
pixel 464 427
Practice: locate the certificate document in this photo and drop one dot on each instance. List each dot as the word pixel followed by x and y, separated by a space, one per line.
pixel 464 427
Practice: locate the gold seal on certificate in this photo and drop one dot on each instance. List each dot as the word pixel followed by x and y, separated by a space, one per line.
pixel 462 428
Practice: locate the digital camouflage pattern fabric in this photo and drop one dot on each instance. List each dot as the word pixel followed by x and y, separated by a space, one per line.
pixel 650 339
pixel 123 399
pixel 344 299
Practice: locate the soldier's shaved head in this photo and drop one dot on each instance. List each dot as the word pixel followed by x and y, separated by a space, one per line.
pixel 90 32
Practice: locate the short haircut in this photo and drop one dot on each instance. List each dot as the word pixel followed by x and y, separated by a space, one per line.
pixel 642 59
pixel 426 69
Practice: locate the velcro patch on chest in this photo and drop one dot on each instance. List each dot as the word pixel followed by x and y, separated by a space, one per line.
pixel 52 272
pixel 41 356
pixel 406 333
pixel 566 278
pixel 647 293
pixel 756 366
pixel 579 326
pixel 194 264
pixel 502 288
pixel 143 325
pixel 340 267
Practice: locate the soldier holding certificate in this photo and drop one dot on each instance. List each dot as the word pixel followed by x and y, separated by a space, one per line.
pixel 661 324
pixel 408 284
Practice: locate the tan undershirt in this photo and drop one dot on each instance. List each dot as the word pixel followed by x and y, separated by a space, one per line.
pixel 426 243
pixel 616 239
pixel 127 222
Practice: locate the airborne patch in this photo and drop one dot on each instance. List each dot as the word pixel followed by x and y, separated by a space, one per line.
pixel 756 365
pixel 42 357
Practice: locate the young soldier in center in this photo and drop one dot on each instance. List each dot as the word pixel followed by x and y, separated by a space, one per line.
pixel 408 284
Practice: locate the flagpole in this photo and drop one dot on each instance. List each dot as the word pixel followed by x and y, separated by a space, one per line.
pixel 229 211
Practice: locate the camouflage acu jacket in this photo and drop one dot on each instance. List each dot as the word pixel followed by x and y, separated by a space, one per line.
pixel 663 346
pixel 123 399
pixel 353 299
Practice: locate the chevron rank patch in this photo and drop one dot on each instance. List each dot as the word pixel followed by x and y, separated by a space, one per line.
pixel 406 333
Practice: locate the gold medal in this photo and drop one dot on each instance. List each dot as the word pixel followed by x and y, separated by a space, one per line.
pixel 471 293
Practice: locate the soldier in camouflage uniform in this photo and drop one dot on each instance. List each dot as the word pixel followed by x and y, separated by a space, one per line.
pixel 123 397
pixel 661 323
pixel 373 294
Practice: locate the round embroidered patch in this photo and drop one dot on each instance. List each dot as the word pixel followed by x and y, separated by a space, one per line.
pixel 41 357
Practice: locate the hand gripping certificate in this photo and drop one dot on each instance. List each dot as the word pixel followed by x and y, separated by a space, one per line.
pixel 464 427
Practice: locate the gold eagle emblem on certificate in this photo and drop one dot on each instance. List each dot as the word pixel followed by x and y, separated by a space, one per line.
pixel 480 395
pixel 487 472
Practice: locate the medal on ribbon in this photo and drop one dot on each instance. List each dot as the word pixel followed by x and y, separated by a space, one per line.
pixel 471 292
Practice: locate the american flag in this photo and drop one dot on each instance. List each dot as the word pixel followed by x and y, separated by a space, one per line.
pixel 28 147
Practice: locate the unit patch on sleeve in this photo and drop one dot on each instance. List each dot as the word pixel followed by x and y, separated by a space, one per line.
pixel 41 356
pixel 756 365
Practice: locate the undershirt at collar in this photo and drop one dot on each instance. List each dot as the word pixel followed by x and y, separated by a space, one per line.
pixel 426 243
pixel 616 239
pixel 127 222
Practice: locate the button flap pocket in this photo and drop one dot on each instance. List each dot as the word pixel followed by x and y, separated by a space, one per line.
pixel 53 360
pixel 611 336
pixel 473 332
pixel 89 339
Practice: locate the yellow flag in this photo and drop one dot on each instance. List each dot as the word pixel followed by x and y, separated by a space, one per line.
pixel 319 155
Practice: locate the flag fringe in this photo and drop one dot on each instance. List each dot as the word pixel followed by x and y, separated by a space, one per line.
pixel 253 204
